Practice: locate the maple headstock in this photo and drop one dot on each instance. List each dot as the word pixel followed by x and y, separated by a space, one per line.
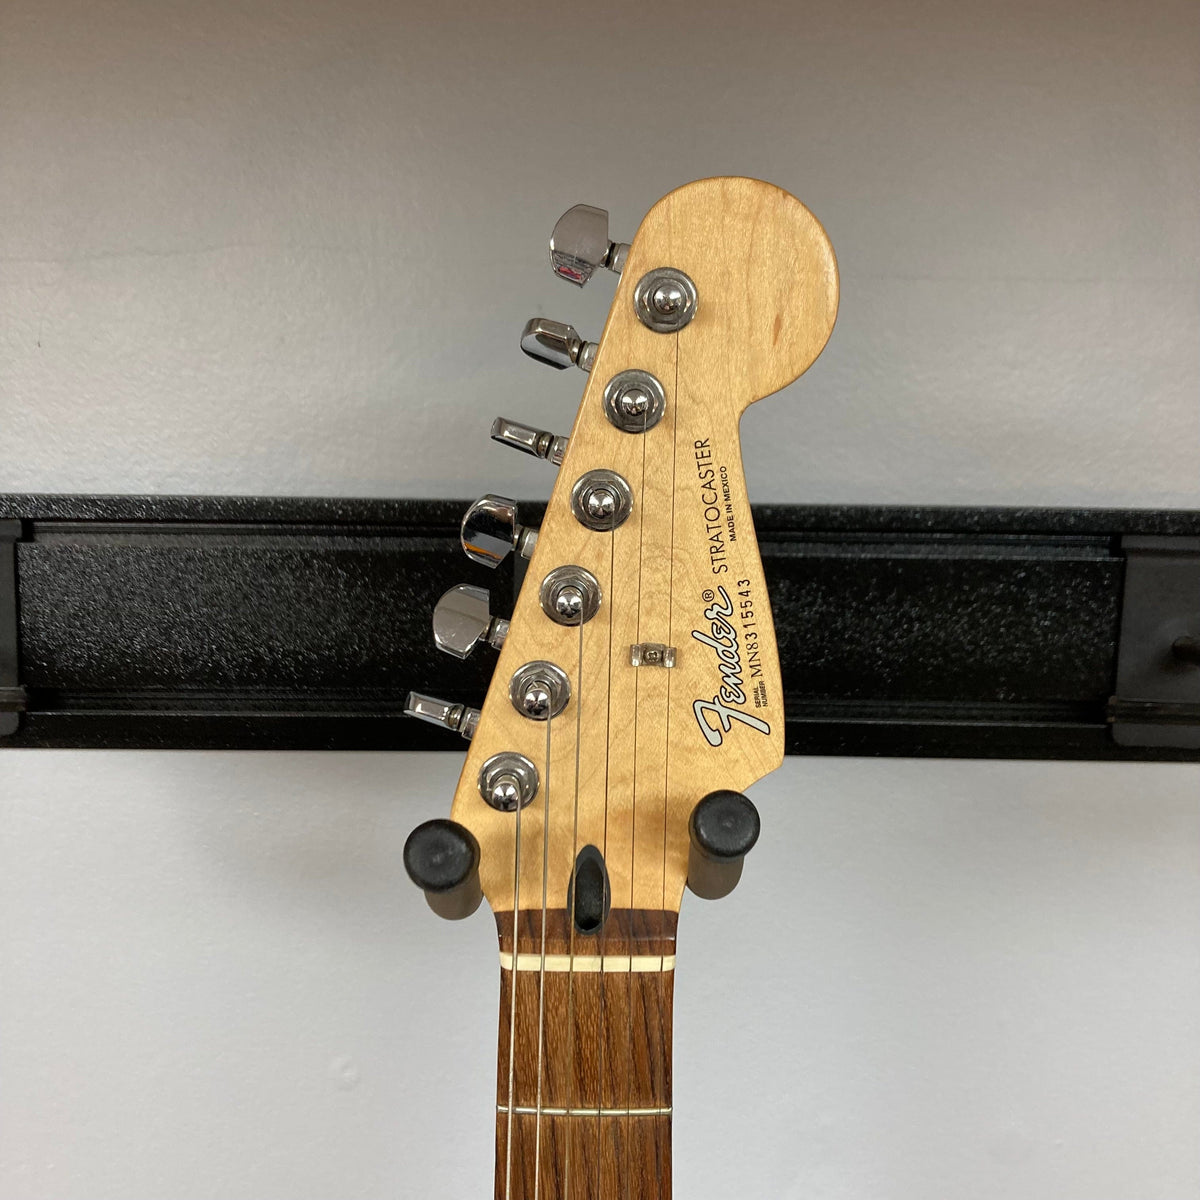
pixel 634 743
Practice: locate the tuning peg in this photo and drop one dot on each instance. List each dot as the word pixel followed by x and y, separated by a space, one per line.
pixel 557 344
pixel 580 243
pixel 541 443
pixel 462 618
pixel 442 859
pixel 458 718
pixel 490 531
pixel 723 828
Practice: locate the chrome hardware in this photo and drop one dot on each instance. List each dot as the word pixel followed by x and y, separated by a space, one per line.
pixel 568 603
pixel 665 300
pixel 651 654
pixel 557 345
pixel 508 781
pixel 462 618
pixel 580 244
pixel 458 718
pixel 601 500
pixel 490 531
pixel 541 443
pixel 539 690
pixel 634 401
pixel 570 595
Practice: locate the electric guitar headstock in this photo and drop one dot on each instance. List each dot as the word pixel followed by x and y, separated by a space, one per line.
pixel 637 692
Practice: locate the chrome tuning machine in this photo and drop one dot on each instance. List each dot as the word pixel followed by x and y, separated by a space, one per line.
pixel 458 718
pixel 541 443
pixel 580 245
pixel 490 531
pixel 462 619
pixel 557 344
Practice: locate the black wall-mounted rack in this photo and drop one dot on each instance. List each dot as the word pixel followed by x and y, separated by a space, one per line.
pixel 227 622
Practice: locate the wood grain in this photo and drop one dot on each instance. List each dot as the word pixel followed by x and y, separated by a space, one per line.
pixel 767 284
pixel 625 763
pixel 593 1052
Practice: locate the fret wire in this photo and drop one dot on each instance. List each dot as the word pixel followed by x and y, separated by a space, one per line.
pixel 589 1112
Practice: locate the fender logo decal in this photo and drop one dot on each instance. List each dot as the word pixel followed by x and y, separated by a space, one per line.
pixel 722 637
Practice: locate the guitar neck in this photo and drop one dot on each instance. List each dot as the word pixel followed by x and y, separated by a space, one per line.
pixel 584 1064
pixel 637 692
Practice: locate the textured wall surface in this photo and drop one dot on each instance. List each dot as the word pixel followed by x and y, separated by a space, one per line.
pixel 269 247
pixel 288 247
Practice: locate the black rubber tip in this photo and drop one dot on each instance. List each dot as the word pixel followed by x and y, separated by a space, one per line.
pixel 725 825
pixel 440 855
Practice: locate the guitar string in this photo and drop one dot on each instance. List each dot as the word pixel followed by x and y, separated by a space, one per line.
pixel 512 1001
pixel 574 876
pixel 572 1092
pixel 634 839
pixel 537 1141
pixel 661 1064
pixel 612 558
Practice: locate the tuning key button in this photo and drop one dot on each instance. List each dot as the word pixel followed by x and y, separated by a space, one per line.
pixel 442 859
pixel 541 443
pixel 462 619
pixel 490 531
pixel 557 344
pixel 458 718
pixel 580 245
pixel 723 829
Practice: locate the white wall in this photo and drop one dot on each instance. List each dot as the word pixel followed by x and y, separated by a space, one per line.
pixel 263 247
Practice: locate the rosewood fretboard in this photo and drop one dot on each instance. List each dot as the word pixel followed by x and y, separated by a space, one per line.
pixel 590 1070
